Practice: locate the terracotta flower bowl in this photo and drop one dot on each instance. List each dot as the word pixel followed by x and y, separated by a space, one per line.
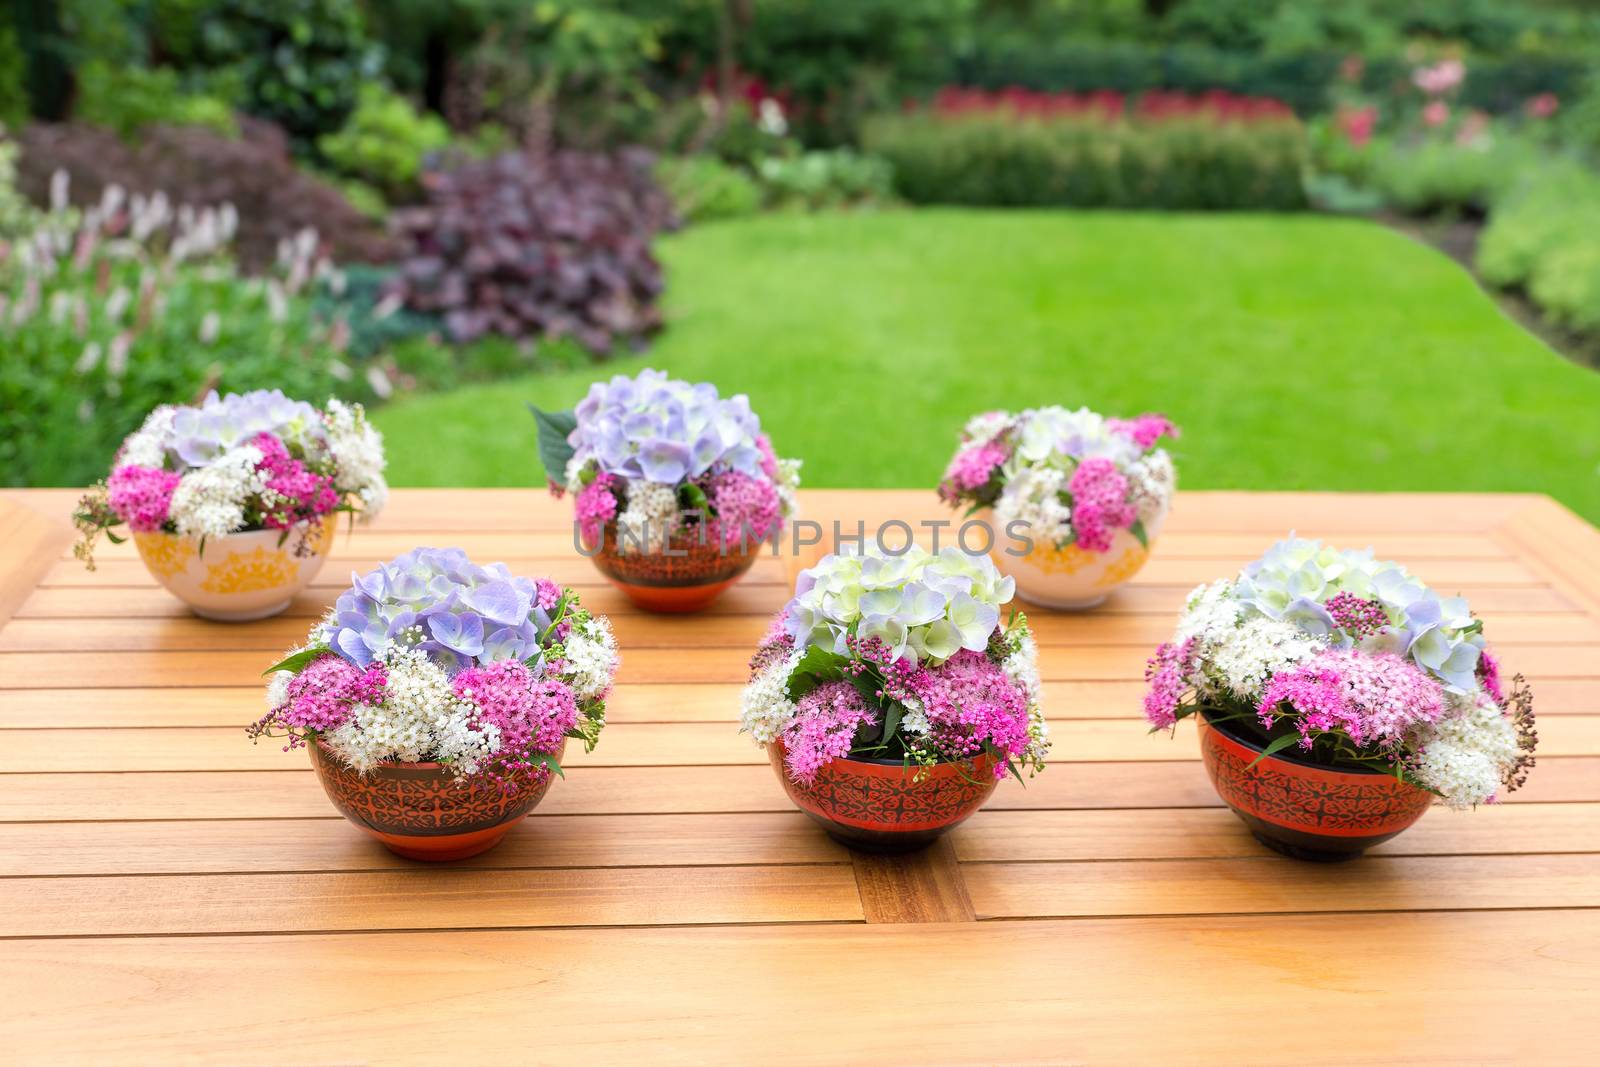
pixel 1303 810
pixel 1071 578
pixel 240 577
pixel 419 810
pixel 876 806
pixel 689 579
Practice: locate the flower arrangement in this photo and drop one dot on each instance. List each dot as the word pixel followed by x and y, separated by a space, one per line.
pixel 235 463
pixel 431 658
pixel 899 658
pixel 1070 477
pixel 1350 662
pixel 661 460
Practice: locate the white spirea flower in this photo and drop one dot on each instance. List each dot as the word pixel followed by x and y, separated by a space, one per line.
pixel 649 518
pixel 985 427
pixel 591 657
pixel 914 718
pixel 1467 755
pixel 1249 655
pixel 147 446
pixel 1022 668
pixel 1209 615
pixel 278 689
pixel 357 450
pixel 1151 482
pixel 764 706
pixel 572 476
pixel 421 718
pixel 788 485
pixel 209 501
pixel 1032 496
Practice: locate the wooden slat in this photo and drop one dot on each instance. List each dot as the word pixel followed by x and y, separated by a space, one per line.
pixel 1508 987
pixel 329 843
pixel 1272 883
pixel 917 887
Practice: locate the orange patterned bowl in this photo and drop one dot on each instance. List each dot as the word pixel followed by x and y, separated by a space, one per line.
pixel 240 577
pixel 880 806
pixel 1304 810
pixel 686 578
pixel 420 811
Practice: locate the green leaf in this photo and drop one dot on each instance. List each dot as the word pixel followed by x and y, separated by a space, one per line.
pixel 1278 745
pixel 554 452
pixel 547 760
pixel 891 721
pixel 816 666
pixel 296 663
pixel 1138 530
pixel 693 498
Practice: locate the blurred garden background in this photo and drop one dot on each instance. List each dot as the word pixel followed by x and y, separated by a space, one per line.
pixel 1346 245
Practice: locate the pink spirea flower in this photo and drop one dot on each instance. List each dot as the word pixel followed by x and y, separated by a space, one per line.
pixel 532 714
pixel 1100 504
pixel 322 696
pixel 1144 430
pixel 1374 699
pixel 971 468
pixel 141 496
pixel 547 594
pixel 769 458
pixel 596 505
pixel 1167 673
pixel 823 728
pixel 1489 676
pixel 970 701
pixel 746 507
pixel 306 494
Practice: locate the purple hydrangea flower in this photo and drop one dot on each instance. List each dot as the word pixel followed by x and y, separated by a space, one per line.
pixel 660 429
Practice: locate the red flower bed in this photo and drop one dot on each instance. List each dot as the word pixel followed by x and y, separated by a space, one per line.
pixel 1216 105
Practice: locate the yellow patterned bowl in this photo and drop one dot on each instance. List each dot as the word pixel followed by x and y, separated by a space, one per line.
pixel 241 577
pixel 1071 578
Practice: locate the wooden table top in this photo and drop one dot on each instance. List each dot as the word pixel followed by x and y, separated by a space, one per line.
pixel 171 892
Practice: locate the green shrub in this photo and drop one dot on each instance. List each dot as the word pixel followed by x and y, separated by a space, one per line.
pixel 704 188
pixel 1554 205
pixel 13 79
pixel 996 159
pixel 385 142
pixel 1566 283
pixel 127 99
pixel 17 216
pixel 1439 175
pixel 826 179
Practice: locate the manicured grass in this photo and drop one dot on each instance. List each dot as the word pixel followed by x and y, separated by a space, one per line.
pixel 1296 352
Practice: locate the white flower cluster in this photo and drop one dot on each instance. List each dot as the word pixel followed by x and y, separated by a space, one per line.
pixel 357 450
pixel 1255 651
pixel 591 658
pixel 788 485
pixel 649 518
pixel 1033 497
pixel 1465 755
pixel 1151 483
pixel 764 705
pixel 1022 668
pixel 209 501
pixel 421 718
pixel 147 446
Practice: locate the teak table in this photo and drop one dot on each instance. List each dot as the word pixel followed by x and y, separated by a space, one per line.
pixel 172 892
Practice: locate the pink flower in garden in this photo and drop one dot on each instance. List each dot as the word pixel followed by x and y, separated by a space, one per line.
pixel 1374 699
pixel 1440 78
pixel 747 508
pixel 1437 113
pixel 532 715
pixel 1473 127
pixel 1144 430
pixel 824 728
pixel 971 469
pixel 1358 124
pixel 1542 106
pixel 141 496
pixel 1167 672
pixel 969 701
pixel 322 696
pixel 1100 503
pixel 596 506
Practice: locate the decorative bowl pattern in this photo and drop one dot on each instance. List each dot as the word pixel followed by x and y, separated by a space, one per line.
pixel 1306 811
pixel 420 811
pixel 691 577
pixel 878 806
pixel 238 578
pixel 1071 578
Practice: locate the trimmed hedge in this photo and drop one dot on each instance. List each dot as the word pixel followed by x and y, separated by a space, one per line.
pixel 1174 164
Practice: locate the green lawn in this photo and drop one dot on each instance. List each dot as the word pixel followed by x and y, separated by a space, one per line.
pixel 1297 352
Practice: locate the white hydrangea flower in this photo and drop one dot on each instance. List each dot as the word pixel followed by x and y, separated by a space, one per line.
pixel 357 450
pixel 650 517
pixel 1249 655
pixel 1032 496
pixel 1467 755
pixel 764 705
pixel 209 501
pixel 591 656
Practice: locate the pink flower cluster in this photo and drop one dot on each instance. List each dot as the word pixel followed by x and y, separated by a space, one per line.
pixel 141 496
pixel 532 714
pixel 970 701
pixel 1100 503
pixel 824 728
pixel 1215 105
pixel 1168 673
pixel 322 696
pixel 1374 699
pixel 745 507
pixel 1489 676
pixel 1144 430
pixel 547 594
pixel 769 458
pixel 596 505
pixel 971 469
pixel 305 494
pixel 1357 616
